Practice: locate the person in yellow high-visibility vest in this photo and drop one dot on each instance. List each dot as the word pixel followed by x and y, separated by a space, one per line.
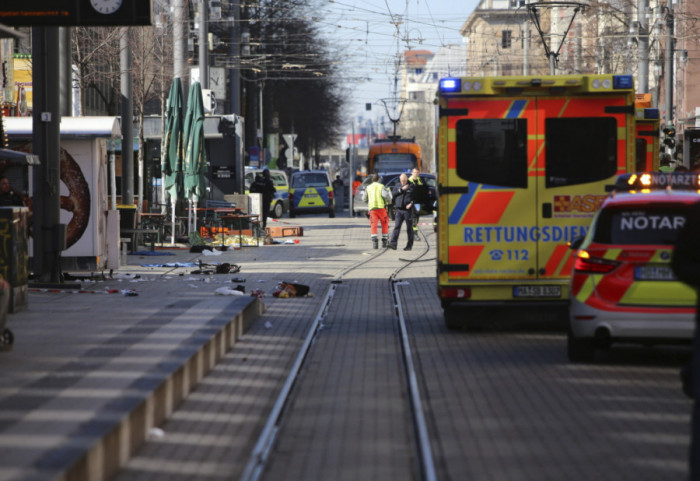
pixel 377 197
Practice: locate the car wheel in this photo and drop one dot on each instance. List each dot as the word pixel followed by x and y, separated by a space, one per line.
pixel 278 211
pixel 579 350
pixel 453 320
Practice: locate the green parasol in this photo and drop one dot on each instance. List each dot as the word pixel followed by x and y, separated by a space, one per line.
pixel 173 145
pixel 195 165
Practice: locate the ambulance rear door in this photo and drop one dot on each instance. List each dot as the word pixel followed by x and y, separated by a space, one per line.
pixel 582 143
pixel 486 197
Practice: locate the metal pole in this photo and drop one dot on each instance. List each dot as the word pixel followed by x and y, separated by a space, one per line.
pixel 668 74
pixel 49 236
pixel 578 43
pixel 180 46
pixel 526 48
pixel 127 118
pixel 643 47
pixel 66 71
pixel 552 63
pixel 203 44
pixel 235 52
pixel 353 169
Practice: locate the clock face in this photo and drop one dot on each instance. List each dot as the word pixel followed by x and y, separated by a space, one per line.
pixel 106 6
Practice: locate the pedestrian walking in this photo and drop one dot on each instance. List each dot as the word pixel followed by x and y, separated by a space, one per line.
pixel 686 265
pixel 377 197
pixel 402 194
pixel 263 185
pixel 420 197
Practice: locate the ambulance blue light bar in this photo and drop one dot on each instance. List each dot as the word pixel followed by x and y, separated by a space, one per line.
pixel 623 82
pixel 450 84
pixel 651 113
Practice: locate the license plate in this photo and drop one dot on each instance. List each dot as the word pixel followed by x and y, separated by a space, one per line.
pixel 537 291
pixel 654 273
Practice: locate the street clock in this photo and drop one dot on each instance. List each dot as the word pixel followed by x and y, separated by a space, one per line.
pixel 106 7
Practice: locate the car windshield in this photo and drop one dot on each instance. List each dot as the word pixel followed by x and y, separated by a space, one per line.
pixel 278 180
pixel 310 180
pixel 639 225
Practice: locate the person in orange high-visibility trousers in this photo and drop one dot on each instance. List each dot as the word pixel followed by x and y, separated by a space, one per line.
pixel 377 197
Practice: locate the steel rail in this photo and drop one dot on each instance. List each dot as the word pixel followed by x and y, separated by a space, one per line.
pixel 261 451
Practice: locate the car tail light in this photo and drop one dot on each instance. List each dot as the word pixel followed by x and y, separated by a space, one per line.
pixel 587 263
pixel 455 293
pixel 330 194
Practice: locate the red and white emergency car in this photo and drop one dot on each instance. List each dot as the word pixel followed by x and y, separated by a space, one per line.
pixel 623 289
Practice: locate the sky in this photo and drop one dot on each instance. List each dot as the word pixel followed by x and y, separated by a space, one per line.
pixel 370 34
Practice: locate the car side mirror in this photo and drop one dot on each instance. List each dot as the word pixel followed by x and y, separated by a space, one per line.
pixel 576 243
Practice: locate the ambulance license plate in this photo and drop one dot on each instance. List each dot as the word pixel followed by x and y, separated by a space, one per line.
pixel 654 273
pixel 537 291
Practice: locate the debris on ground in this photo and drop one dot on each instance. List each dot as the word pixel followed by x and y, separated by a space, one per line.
pixel 289 289
pixel 226 291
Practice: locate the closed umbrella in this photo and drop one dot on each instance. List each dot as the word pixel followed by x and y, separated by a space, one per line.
pixel 195 165
pixel 173 149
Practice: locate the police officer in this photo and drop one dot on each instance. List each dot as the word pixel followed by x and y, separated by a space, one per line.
pixel 377 198
pixel 402 194
pixel 420 196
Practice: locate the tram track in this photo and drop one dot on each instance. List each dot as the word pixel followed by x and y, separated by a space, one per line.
pixel 261 453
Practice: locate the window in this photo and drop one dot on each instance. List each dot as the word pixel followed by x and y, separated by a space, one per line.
pixel 310 180
pixel 580 150
pixel 493 151
pixel 506 38
pixel 649 225
pixel 278 179
pixel 641 155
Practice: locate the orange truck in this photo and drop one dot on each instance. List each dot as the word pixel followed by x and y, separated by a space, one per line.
pixel 523 164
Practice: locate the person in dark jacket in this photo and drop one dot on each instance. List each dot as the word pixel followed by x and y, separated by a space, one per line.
pixel 263 185
pixel 420 197
pixel 403 212
pixel 9 197
pixel 686 265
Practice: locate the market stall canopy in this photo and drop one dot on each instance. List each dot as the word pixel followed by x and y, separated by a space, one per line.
pixel 21 127
pixel 19 157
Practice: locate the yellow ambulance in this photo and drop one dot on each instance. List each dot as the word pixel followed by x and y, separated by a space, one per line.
pixel 522 167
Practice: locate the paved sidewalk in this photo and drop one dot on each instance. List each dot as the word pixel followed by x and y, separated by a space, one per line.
pixel 92 372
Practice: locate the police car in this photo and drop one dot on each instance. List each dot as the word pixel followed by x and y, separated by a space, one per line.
pixel 311 191
pixel 623 289
pixel 280 202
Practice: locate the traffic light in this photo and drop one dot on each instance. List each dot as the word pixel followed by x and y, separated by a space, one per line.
pixel 669 136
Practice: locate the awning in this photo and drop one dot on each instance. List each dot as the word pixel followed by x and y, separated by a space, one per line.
pixel 19 157
pixel 71 127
